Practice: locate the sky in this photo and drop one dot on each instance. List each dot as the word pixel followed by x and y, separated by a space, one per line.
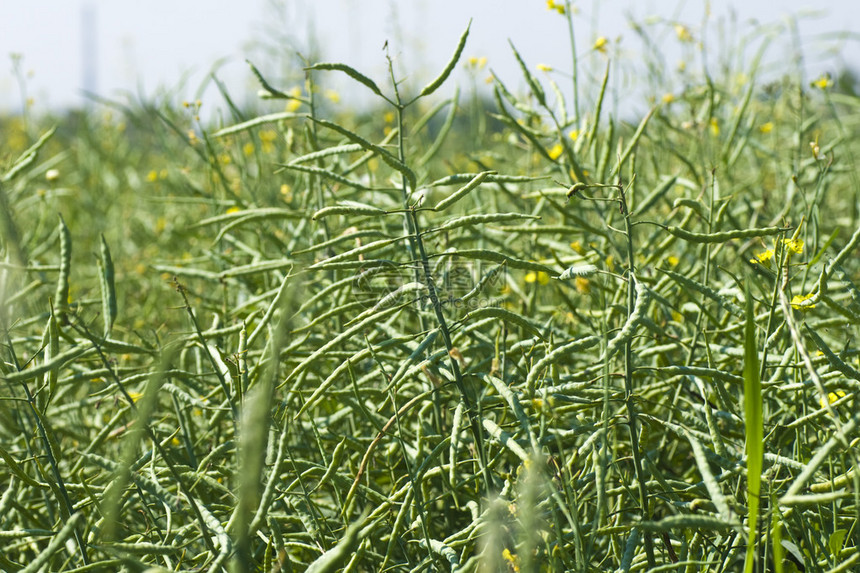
pixel 124 50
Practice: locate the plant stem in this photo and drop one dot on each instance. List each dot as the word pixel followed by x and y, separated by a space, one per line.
pixel 413 230
pixel 630 401
pixel 474 420
pixel 569 14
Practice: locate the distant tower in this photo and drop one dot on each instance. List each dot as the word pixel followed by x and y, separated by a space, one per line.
pixel 89 54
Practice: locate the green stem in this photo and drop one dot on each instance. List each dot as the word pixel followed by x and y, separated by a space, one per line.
pixel 474 420
pixel 413 230
pixel 150 432
pixel 630 401
pixel 569 14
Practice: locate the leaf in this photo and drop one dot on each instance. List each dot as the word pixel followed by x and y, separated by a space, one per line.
pixel 837 539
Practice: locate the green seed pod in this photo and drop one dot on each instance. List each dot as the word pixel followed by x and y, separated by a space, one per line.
pixel 556 355
pixel 505 315
pixel 480 219
pixel 347 208
pixel 633 320
pixel 462 191
pixel 576 188
pixel 577 270
pixel 108 289
pixel 334 466
pixel 723 236
pixel 61 298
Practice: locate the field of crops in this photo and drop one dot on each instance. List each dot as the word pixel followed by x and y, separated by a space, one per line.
pixel 525 332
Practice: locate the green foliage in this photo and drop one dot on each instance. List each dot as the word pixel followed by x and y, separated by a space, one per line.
pixel 322 340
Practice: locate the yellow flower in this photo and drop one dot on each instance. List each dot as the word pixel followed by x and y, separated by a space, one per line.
pixel 332 96
pixel 715 127
pixel 668 97
pixel 672 260
pixel 295 103
pixel 553 5
pixel 762 257
pixel 793 245
pixel 232 210
pixel 823 82
pixel 388 117
pixel 477 62
pixel 600 44
pixel 574 134
pixel 556 151
pixel 582 284
pixel 287 192
pixel 683 33
pixel 831 397
pixel 544 68
pixel 152 176
pixel 248 148
pixel 816 150
pixel 512 559
pixel 540 277
pixel 798 302
pixel 766 127
pixel 268 137
pixel 577 247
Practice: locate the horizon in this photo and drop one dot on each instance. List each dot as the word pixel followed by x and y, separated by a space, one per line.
pixel 122 52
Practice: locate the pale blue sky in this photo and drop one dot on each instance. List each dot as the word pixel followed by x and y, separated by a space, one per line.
pixel 143 45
